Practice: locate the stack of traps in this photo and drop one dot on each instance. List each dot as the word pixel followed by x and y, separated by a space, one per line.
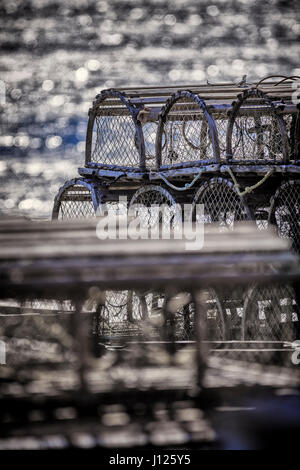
pixel 234 149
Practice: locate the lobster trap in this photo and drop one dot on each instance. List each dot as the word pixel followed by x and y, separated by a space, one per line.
pixel 232 149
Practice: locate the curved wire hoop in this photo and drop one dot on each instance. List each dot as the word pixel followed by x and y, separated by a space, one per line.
pixel 123 143
pixel 266 139
pixel 154 205
pixel 285 212
pixel 77 198
pixel 267 77
pixel 205 135
pixel 291 77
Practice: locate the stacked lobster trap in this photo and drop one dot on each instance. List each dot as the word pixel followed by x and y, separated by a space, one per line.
pixel 235 149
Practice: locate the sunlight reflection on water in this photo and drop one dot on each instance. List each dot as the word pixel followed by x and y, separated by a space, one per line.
pixel 55 59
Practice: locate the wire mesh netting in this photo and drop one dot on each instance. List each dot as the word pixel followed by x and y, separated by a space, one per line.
pixel 127 314
pixel 183 308
pixel 231 308
pixel 221 121
pixel 114 139
pixel 152 315
pixel 75 202
pixel 220 204
pixel 290 122
pixel 155 207
pixel 149 132
pixel 251 323
pixel 262 324
pixel 285 212
pixel 187 134
pixel 261 215
pixel 271 313
pixel 257 134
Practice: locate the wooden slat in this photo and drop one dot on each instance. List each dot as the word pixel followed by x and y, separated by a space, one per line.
pixel 59 259
pixel 189 170
pixel 210 87
pixel 21 239
pixel 206 95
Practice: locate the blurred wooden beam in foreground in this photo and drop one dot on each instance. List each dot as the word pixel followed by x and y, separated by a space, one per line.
pixel 58 258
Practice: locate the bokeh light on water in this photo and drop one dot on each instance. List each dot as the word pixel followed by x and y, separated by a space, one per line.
pixel 55 57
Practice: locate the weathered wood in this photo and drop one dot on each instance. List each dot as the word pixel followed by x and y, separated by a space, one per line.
pixel 56 257
pixel 270 86
pixel 187 171
pixel 216 103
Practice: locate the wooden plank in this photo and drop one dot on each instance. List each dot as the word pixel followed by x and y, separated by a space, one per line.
pixel 46 282
pixel 210 92
pixel 61 259
pixel 214 103
pixel 241 168
pixel 208 87
pixel 148 94
pixel 216 95
pixel 190 168
pixel 20 240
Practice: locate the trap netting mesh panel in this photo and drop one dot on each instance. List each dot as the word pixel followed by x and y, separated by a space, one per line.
pixel 149 132
pixel 124 314
pixel 114 208
pixel 152 315
pixel 75 202
pixel 216 201
pixel 182 307
pixel 114 139
pixel 271 313
pixel 221 121
pixel 261 215
pixel 285 212
pixel 290 122
pixel 154 206
pixel 186 134
pixel 230 304
pixel 261 327
pixel 257 134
